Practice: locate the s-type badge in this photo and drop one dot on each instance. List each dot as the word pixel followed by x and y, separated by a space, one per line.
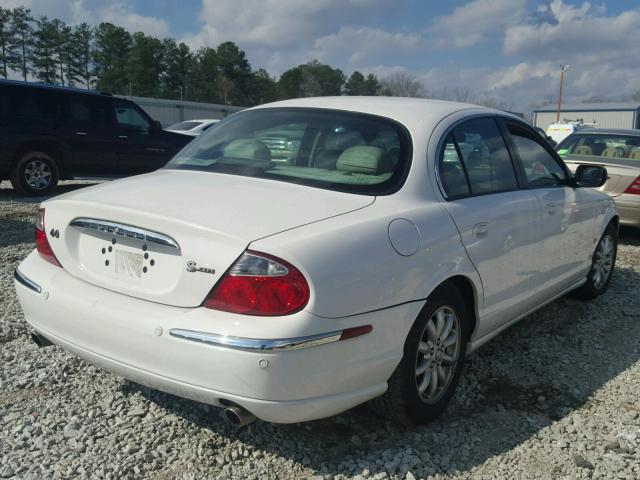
pixel 193 267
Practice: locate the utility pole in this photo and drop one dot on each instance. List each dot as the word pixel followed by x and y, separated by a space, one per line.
pixel 563 68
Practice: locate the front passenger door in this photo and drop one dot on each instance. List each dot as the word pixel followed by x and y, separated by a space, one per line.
pixel 566 216
pixel 140 147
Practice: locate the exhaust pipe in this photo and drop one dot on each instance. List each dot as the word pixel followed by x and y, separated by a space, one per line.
pixel 238 416
pixel 40 340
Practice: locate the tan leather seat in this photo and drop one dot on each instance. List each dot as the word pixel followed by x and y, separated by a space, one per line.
pixel 584 150
pixel 611 152
pixel 635 154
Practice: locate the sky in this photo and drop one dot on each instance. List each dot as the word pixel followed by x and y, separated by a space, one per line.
pixel 509 50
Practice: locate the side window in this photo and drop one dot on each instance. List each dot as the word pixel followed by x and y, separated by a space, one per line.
pixel 452 173
pixel 85 111
pixel 482 156
pixel 541 169
pixel 128 116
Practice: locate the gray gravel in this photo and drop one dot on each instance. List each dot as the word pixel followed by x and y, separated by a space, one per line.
pixel 555 396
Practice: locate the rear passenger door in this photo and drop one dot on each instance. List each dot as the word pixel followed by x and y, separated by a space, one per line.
pixel 497 220
pixel 566 213
pixel 89 131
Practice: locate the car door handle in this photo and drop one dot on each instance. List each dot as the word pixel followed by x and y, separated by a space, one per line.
pixel 123 137
pixel 81 134
pixel 151 149
pixel 481 230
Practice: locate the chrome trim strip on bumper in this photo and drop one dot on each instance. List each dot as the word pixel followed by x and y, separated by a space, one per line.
pixel 126 231
pixel 256 344
pixel 27 282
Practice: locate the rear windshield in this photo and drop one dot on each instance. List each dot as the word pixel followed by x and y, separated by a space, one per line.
pixel 602 145
pixel 329 149
pixel 184 126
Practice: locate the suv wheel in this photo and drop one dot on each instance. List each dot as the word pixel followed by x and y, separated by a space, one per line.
pixel 35 173
pixel 426 378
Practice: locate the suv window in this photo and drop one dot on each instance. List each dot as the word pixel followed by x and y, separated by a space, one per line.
pixel 128 116
pixel 476 149
pixel 86 110
pixel 25 103
pixel 540 167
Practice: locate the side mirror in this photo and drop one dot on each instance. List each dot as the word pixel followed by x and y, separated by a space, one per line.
pixel 590 176
pixel 156 125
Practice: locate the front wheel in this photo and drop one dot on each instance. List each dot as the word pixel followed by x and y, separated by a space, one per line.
pixel 425 380
pixel 602 263
pixel 35 173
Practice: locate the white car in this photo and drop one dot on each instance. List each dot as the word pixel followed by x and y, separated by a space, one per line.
pixel 366 268
pixel 193 127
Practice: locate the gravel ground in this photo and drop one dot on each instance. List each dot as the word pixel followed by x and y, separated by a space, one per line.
pixel 555 396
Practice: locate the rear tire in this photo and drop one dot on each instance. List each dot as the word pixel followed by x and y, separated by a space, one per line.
pixel 426 378
pixel 35 173
pixel 602 265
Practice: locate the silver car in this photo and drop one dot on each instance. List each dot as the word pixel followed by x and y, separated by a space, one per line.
pixel 618 151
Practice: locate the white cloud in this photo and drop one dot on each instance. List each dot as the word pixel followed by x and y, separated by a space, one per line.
pixel 276 23
pixel 93 12
pixel 575 31
pixel 471 23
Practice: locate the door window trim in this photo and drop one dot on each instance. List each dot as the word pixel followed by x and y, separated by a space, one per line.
pixel 531 134
pixel 440 156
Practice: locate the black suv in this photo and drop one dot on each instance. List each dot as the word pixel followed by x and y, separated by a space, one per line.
pixel 49 133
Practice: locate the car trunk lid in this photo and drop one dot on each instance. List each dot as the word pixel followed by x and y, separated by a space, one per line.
pixel 170 235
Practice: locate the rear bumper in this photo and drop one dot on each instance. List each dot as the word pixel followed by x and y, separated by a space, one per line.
pixel 628 206
pixel 132 338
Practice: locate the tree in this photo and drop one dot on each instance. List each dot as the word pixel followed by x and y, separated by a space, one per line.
pixel 355 84
pixel 177 63
pixel 21 40
pixel 235 74
pixel 402 84
pixel 44 58
pixel 371 85
pixel 204 76
pixel 7 52
pixel 312 79
pixel 81 53
pixel 110 56
pixel 263 88
pixel 144 64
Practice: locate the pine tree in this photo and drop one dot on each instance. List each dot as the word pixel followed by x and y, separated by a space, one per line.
pixel 7 51
pixel 144 65
pixel 111 53
pixel 21 41
pixel 177 64
pixel 204 77
pixel 81 53
pixel 44 59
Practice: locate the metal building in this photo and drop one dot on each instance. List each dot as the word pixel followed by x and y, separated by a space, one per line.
pixel 606 115
pixel 168 112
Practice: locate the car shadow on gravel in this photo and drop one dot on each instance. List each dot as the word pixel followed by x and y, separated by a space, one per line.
pixel 8 194
pixel 630 236
pixel 537 372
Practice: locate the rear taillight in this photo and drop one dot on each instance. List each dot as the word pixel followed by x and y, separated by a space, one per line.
pixel 260 284
pixel 634 188
pixel 42 243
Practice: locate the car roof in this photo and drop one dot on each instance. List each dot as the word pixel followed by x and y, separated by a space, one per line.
pixel 408 111
pixel 50 86
pixel 608 131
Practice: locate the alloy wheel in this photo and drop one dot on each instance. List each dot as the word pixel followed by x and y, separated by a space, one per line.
pixel 438 354
pixel 603 261
pixel 37 174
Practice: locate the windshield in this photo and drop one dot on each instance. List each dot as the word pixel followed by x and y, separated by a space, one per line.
pixel 330 149
pixel 602 145
pixel 184 125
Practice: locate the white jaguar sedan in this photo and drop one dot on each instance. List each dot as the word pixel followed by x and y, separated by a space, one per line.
pixel 398 236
